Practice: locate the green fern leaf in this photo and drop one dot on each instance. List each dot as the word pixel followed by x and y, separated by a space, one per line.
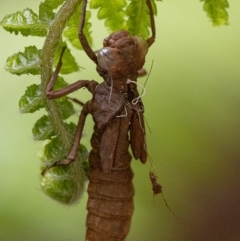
pixel 54 151
pixel 71 31
pixel 43 129
pixel 69 63
pixel 65 106
pixel 25 22
pixel 45 13
pixel 27 62
pixel 216 11
pixel 138 18
pixel 53 4
pixel 60 186
pixel 32 100
pixel 62 183
pixel 60 83
pixel 71 127
pixel 112 11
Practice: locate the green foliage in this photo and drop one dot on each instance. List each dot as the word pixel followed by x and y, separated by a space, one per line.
pixel 112 11
pixel 132 15
pixel 43 129
pixel 60 83
pixel 138 18
pixel 45 13
pixel 32 100
pixel 66 183
pixel 62 183
pixel 216 11
pixel 65 107
pixel 70 33
pixel 25 22
pixel 28 23
pixel 60 186
pixel 53 150
pixel 53 4
pixel 27 62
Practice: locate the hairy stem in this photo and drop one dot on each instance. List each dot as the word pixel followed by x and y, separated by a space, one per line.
pixel 49 47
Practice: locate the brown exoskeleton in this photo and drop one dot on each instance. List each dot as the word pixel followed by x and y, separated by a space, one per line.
pixel 117 111
pixel 156 187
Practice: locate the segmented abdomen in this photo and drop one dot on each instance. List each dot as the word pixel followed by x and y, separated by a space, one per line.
pixel 110 203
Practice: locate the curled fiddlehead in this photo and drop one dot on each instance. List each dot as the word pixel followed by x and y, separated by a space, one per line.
pixel 64 184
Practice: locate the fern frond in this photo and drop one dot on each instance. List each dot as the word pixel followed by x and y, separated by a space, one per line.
pixel 53 4
pixel 45 13
pixel 216 11
pixel 25 22
pixel 112 11
pixel 138 18
pixel 32 100
pixel 27 62
pixel 71 31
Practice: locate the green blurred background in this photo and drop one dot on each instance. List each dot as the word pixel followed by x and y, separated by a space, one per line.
pixel 192 106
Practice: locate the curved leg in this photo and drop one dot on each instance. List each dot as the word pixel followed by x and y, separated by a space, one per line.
pixel 151 40
pixel 82 38
pixel 73 153
pixel 54 94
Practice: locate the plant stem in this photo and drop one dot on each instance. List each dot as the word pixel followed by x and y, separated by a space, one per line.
pixel 49 47
pixel 54 114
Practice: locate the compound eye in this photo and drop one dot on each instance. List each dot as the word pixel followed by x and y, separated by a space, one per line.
pixel 107 58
